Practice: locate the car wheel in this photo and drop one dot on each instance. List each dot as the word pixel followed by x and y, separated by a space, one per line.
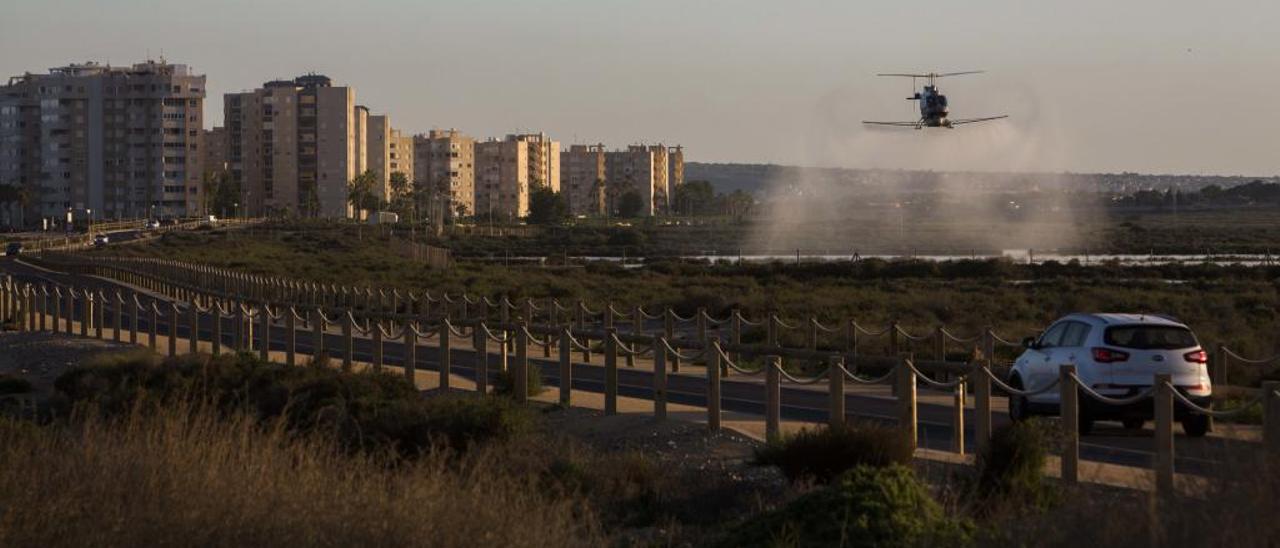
pixel 1019 410
pixel 1133 424
pixel 1196 426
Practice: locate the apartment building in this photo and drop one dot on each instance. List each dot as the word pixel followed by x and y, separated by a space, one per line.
pixel 360 119
pixel 506 171
pixel 388 151
pixel 583 179
pixel 110 142
pixel 661 186
pixel 675 168
pixel 214 152
pixel 632 171
pixel 444 165
pixel 291 146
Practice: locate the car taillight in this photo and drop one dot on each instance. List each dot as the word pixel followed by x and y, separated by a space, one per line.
pixel 1198 356
pixel 1107 355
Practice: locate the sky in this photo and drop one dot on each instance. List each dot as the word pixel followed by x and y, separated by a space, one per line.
pixel 1152 86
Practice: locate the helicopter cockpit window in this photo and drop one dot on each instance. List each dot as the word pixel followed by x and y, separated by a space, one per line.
pixel 942 100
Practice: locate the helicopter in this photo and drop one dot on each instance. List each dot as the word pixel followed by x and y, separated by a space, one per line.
pixel 933 104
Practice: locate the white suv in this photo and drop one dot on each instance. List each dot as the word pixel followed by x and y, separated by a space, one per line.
pixel 1116 355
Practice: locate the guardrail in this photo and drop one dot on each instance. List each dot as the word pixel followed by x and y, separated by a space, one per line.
pixel 847 335
pixel 55 308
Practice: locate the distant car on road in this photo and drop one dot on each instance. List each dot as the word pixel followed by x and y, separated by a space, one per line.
pixel 13 249
pixel 153 224
pixel 1116 355
pixel 101 240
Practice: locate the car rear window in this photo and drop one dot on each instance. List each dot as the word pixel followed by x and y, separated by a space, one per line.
pixel 1150 337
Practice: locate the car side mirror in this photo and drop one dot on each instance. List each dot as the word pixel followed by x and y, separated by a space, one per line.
pixel 1029 342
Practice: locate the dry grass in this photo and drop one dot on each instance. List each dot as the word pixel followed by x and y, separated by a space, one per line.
pixel 191 475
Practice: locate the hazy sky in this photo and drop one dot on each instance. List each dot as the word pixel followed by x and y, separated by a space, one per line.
pixel 1168 86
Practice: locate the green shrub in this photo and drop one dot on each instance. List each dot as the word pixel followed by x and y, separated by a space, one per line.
pixel 822 454
pixel 504 384
pixel 14 385
pixel 867 506
pixel 463 419
pixel 1012 465
pixel 365 410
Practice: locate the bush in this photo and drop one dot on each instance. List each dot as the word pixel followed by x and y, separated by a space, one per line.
pixel 152 479
pixel 504 384
pixel 366 410
pixel 465 419
pixel 867 506
pixel 822 454
pixel 1012 465
pixel 14 385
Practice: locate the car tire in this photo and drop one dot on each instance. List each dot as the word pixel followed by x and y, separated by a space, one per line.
pixel 1196 426
pixel 1133 424
pixel 1019 407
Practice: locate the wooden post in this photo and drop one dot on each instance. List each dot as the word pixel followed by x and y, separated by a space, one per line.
pixel 173 329
pixel 637 327
pixel 98 306
pixel 133 315
pixel 193 325
pixel 57 310
pixel 669 332
pixel 31 309
pixel 713 388
pixel 566 367
pixel 375 330
pixel 411 353
pixel 348 341
pixel 907 401
pixel 86 312
pixel 481 344
pixel 44 308
pixel 659 378
pixel 291 336
pixel 264 325
pixel 1271 418
pixel 520 372
pixel 216 311
pixel 318 327
pixel 445 357
pixel 835 384
pixel 773 398
pixel 1219 365
pixel 610 370
pixel 482 359
pixel 237 337
pixel 1164 434
pixel 1070 411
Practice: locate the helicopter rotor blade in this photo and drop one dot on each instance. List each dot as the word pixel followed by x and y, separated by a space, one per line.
pixel 905 75
pixel 959 73
pixel 900 124
pixel 976 120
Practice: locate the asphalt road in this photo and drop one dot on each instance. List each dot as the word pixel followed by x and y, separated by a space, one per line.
pixel 1109 443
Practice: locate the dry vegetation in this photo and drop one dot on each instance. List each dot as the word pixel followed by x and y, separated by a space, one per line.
pixel 197 451
pixel 1236 306
pixel 191 475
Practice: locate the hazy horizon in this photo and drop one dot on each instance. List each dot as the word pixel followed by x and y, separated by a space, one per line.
pixel 1091 87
